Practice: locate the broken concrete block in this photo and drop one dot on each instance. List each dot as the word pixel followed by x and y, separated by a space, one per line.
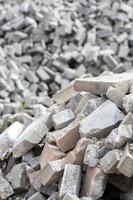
pixel 91 155
pixel 92 105
pixel 39 110
pixel 83 101
pixel 8 137
pixel 71 180
pixel 125 166
pixel 110 161
pixel 65 94
pixel 5 188
pixel 37 196
pixel 115 96
pixel 76 156
pixel 5 147
pixel 63 118
pixel 70 197
pixel 110 61
pixel 19 180
pixel 128 103
pixel 31 136
pixel 94 183
pixel 67 138
pixel 119 136
pixel 101 121
pixel 128 119
pixel 49 153
pixel 52 172
pixel 14 130
pixel 100 85
pixel 43 75
pixel 34 163
pixel 28 156
pixel 74 101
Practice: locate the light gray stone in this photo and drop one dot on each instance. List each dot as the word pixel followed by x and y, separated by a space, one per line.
pixel 5 188
pixel 128 103
pixel 110 161
pixel 31 136
pixel 37 196
pixel 19 180
pixel 115 96
pixel 71 180
pixel 94 183
pixel 52 172
pixel 99 85
pixel 63 118
pixel 101 121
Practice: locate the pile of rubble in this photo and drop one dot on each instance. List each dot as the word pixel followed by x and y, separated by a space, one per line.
pixel 77 144
pixel 44 45
pixel 76 148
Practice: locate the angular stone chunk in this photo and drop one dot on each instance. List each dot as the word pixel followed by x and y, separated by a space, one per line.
pixel 91 155
pixel 67 138
pixel 5 147
pixel 128 119
pixel 110 61
pixel 52 172
pixel 94 183
pixel 99 85
pixel 65 94
pixel 70 197
pixel 92 105
pixel 5 188
pixel 37 196
pixel 128 103
pixel 71 180
pixel 83 102
pixel 19 180
pixel 110 161
pixel 14 130
pixel 74 101
pixel 31 136
pixel 8 137
pixel 63 118
pixel 115 96
pixel 101 121
pixel 119 136
pixel 43 75
pixel 77 155
pixel 49 153
pixel 125 166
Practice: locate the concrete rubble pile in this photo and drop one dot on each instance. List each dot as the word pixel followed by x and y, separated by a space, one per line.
pixel 44 45
pixel 79 148
pixel 66 99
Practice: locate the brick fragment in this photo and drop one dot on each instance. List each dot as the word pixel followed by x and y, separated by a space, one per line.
pixel 71 180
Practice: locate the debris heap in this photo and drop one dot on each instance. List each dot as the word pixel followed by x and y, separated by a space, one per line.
pixel 44 45
pixel 77 149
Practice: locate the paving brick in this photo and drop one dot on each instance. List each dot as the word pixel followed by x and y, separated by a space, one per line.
pixel 99 85
pixel 110 161
pixel 76 156
pixel 125 166
pixel 94 183
pixel 49 153
pixel 71 180
pixel 52 172
pixel 101 121
pixel 63 118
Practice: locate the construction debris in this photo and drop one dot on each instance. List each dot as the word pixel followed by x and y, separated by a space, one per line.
pixel 66 100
